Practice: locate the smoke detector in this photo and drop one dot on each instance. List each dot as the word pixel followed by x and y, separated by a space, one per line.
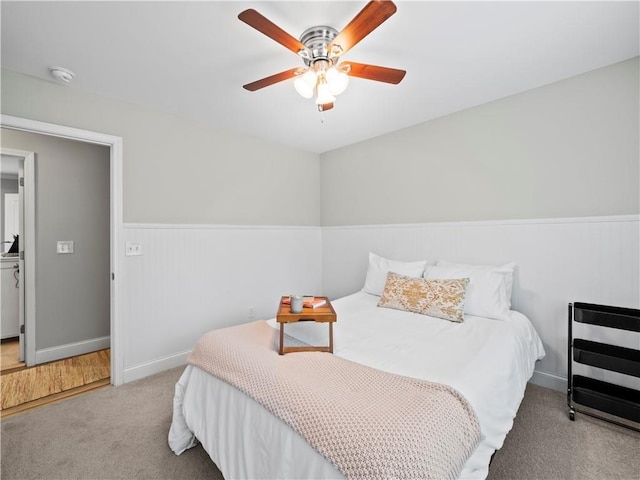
pixel 62 74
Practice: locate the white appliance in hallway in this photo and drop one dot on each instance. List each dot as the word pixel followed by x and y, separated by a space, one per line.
pixel 9 298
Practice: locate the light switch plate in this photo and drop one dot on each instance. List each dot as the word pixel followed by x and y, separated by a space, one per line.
pixel 64 246
pixel 132 249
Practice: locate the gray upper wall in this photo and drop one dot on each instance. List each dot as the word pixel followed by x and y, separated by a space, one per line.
pixel 6 186
pixel 562 150
pixel 177 171
pixel 568 149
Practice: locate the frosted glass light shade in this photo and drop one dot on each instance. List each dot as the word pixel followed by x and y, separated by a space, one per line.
pixel 337 81
pixel 324 95
pixel 305 83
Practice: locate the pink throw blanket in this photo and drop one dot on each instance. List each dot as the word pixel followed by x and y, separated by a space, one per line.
pixel 370 424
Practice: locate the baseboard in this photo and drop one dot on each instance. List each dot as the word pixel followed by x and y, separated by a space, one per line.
pixel 549 380
pixel 158 365
pixel 72 349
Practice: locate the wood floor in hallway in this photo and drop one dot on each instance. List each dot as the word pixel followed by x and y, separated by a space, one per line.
pixel 10 355
pixel 51 381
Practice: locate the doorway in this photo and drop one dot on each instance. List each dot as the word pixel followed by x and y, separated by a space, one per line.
pixel 115 220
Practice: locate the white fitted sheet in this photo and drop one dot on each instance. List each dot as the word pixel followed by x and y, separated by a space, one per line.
pixel 488 361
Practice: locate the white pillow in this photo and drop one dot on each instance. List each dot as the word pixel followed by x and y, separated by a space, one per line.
pixel 380 266
pixel 489 293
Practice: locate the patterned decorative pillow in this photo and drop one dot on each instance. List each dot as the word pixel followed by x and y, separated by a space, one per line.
pixel 436 298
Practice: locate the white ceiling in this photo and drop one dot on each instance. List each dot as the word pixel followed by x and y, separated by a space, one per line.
pixel 192 58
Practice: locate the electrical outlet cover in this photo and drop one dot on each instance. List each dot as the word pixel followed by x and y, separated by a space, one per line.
pixel 132 249
pixel 64 246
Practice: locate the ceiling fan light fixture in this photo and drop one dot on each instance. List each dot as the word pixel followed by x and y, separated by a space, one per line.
pixel 324 95
pixel 305 83
pixel 337 81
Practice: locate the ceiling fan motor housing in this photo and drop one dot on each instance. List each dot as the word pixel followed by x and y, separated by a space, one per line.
pixel 316 40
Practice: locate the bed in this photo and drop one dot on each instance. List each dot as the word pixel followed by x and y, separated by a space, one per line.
pixel 487 360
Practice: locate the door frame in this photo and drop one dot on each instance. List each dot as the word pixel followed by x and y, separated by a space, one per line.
pixel 116 225
pixel 26 303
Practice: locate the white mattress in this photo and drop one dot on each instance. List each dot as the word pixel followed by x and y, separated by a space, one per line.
pixel 488 361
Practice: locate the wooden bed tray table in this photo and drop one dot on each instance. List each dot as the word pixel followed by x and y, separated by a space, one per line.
pixel 322 314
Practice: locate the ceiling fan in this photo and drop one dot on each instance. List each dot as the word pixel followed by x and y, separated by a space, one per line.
pixel 321 48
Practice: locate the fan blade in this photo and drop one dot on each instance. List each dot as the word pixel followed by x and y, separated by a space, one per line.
pixel 373 72
pixel 370 17
pixel 270 29
pixel 265 82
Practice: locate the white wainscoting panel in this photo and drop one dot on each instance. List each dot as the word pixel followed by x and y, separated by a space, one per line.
pixel 192 279
pixel 591 259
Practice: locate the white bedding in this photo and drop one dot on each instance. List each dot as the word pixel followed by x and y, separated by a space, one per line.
pixel 488 361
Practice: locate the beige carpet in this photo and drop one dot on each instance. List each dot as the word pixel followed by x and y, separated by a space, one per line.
pixel 121 433
pixel 545 444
